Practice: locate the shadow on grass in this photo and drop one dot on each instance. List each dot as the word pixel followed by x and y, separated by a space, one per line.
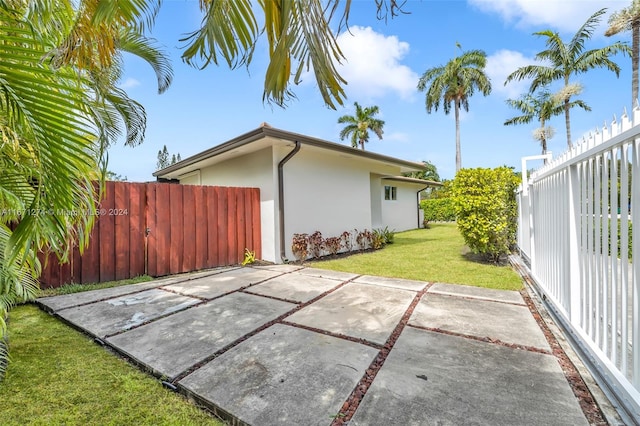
pixel 480 259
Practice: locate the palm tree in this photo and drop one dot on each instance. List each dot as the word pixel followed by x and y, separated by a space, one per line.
pixel 567 59
pixel 358 125
pixel 59 108
pixel 454 83
pixel 429 172
pixel 628 19
pixel 540 106
pixel 298 33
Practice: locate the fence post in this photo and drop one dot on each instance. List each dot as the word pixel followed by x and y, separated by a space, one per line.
pixel 635 254
pixel 531 222
pixel 572 286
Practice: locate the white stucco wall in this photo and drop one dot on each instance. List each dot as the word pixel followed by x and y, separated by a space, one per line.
pixel 326 192
pixel 400 214
pixel 253 170
pixel 376 200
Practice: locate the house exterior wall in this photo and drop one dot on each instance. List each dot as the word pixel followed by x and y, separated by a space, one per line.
pixel 252 170
pixel 325 192
pixel 400 214
pixel 376 200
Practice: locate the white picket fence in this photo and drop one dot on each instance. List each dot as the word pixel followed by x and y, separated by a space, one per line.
pixel 575 229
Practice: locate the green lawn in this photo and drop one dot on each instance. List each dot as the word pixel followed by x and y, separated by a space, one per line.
pixel 59 376
pixel 436 254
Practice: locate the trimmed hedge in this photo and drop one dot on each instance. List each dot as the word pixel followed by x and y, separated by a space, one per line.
pixel 486 210
pixel 438 210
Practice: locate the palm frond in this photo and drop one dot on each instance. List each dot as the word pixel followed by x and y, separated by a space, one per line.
pixel 145 48
pixel 229 29
pixel 576 45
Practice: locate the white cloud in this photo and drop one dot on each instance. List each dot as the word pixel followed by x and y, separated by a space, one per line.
pixel 373 66
pixel 566 15
pixel 129 83
pixel 500 65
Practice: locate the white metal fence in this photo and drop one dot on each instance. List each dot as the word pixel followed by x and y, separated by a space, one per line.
pixel 576 228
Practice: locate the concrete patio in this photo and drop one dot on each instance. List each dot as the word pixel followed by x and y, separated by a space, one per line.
pixel 282 344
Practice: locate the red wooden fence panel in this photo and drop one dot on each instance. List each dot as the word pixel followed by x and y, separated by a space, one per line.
pixel 161 229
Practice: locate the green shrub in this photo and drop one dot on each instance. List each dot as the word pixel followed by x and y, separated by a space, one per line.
pixel 382 237
pixel 486 210
pixel 438 210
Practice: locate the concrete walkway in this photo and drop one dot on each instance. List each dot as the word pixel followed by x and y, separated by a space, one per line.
pixel 282 344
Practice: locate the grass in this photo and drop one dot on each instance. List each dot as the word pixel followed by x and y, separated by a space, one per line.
pixel 76 288
pixel 59 376
pixel 437 254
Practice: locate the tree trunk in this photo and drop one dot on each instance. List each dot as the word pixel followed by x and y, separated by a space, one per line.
pixel 4 350
pixel 567 122
pixel 458 153
pixel 635 37
pixel 543 138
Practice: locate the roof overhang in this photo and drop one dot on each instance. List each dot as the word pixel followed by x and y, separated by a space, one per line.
pixel 266 136
pixel 416 181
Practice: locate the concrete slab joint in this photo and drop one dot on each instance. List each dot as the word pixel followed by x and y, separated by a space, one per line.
pixel 287 344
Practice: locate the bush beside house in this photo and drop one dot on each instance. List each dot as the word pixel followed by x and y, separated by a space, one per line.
pixel 438 210
pixel 486 210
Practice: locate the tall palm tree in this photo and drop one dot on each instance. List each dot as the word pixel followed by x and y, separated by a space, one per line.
pixel 59 108
pixel 359 125
pixel 540 106
pixel 567 59
pixel 454 83
pixel 628 19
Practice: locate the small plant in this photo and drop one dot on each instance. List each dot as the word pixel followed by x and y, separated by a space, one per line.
pixel 333 244
pixel 364 239
pixel 381 237
pixel 377 240
pixel 346 240
pixel 249 257
pixel 300 246
pixel 316 244
pixel 387 234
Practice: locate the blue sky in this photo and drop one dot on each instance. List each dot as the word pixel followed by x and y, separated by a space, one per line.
pixel 204 108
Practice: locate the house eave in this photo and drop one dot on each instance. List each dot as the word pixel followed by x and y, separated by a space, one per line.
pixel 416 181
pixel 264 131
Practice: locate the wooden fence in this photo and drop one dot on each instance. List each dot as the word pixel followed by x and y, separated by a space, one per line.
pixel 160 229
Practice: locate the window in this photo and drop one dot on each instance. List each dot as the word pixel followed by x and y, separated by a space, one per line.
pixel 390 192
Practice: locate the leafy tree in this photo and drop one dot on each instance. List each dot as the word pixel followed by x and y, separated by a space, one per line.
pixel 113 176
pixel 443 191
pixel 163 158
pixel 567 59
pixel 60 107
pixel 540 106
pixel 359 125
pixel 429 172
pixel 628 19
pixel 454 83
